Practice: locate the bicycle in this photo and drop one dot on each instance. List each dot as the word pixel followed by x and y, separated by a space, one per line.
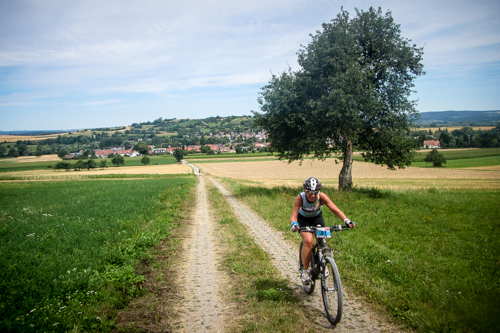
pixel 322 266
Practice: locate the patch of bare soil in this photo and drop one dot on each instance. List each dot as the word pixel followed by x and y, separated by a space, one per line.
pixel 357 316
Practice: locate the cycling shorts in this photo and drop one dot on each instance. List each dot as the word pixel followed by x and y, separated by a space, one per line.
pixel 311 221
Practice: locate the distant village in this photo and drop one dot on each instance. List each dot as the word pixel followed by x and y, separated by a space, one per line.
pixel 235 143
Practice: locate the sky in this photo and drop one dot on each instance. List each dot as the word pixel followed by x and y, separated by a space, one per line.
pixel 89 64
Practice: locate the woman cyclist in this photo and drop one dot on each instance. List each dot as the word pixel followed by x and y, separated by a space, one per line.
pixel 307 212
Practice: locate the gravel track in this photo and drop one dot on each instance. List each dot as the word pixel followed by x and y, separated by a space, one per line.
pixel 356 317
pixel 201 278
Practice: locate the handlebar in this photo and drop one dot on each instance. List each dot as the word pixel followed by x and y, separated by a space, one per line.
pixel 336 228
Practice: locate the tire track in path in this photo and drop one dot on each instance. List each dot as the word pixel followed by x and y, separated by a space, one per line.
pixel 200 276
pixel 356 317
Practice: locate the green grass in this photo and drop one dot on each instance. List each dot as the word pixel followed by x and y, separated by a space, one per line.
pixel 458 158
pixel 264 302
pixel 427 257
pixel 12 164
pixel 455 154
pixel 68 249
pixel 464 163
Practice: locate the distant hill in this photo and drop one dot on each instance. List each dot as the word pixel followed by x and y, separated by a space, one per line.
pixel 32 133
pixel 465 118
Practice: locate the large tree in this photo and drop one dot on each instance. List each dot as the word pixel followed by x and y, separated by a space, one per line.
pixel 352 90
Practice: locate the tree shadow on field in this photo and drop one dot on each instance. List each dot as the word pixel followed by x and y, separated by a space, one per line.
pixel 373 192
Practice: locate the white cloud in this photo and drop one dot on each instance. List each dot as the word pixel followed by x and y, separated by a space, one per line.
pixel 90 50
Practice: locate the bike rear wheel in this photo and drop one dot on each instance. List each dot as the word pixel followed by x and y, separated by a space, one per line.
pixel 331 289
pixel 308 288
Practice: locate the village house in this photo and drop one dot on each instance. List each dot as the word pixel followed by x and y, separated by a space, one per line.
pixel 432 144
pixel 104 153
pixel 158 151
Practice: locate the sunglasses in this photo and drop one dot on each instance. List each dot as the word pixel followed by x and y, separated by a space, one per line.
pixel 312 192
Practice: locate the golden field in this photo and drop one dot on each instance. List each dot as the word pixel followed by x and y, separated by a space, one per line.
pixel 276 173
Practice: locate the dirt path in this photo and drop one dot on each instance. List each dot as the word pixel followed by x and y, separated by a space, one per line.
pixel 202 280
pixel 356 317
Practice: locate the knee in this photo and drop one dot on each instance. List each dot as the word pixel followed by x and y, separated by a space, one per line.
pixel 308 243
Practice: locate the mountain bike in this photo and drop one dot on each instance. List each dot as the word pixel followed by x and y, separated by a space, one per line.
pixel 324 268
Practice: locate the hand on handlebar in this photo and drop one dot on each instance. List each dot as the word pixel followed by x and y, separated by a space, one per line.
pixel 349 223
pixel 294 226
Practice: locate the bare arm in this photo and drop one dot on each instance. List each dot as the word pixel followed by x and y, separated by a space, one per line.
pixel 296 207
pixel 325 200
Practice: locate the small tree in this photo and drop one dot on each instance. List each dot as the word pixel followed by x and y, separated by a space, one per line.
pixel 436 158
pixel 103 165
pixel 142 148
pixel 178 154
pixel 145 160
pixel 91 164
pixel 63 165
pixel 13 152
pixel 118 160
pixel 80 164
pixel 62 153
pixel 206 149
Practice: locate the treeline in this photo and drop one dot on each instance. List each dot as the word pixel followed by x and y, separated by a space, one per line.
pixel 465 137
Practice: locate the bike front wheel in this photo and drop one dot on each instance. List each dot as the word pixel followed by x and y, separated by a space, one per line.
pixel 331 289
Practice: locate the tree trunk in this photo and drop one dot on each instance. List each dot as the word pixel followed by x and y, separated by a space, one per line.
pixel 345 177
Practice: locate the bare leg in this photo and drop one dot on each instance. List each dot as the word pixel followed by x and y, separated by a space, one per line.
pixel 307 246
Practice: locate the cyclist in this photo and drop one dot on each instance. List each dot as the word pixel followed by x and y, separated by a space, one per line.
pixel 307 212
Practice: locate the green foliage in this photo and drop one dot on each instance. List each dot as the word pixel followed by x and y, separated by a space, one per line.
pixel 145 160
pixel 62 165
pixel 68 249
pixel 179 154
pixel 430 257
pixel 80 164
pixel 435 158
pixel 353 88
pixel 61 153
pixel 142 148
pixel 118 160
pixel 205 149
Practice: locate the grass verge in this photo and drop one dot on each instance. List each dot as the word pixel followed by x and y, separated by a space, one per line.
pixel 263 301
pixel 427 257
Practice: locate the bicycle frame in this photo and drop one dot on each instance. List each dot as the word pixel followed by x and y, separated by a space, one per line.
pixel 331 286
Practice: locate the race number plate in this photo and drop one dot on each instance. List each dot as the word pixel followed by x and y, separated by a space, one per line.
pixel 323 233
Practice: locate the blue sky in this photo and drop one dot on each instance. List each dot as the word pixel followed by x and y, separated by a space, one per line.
pixel 87 64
